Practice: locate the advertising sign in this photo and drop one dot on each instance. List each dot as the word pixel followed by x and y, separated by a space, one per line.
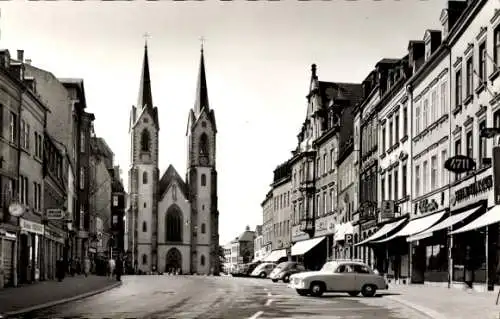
pixel 324 226
pixel 31 227
pixel 55 214
pixel 297 234
pixel 460 164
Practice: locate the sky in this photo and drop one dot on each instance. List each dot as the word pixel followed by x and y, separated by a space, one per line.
pixel 258 57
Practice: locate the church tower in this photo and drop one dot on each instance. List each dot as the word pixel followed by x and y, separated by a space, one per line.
pixel 143 174
pixel 202 180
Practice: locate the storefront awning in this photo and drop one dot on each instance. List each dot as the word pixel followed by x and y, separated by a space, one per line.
pixel 387 228
pixel 275 255
pixel 302 247
pixel 415 226
pixel 342 230
pixel 490 217
pixel 448 222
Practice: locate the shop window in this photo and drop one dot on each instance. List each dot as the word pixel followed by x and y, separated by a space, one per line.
pixel 144 259
pixel 436 258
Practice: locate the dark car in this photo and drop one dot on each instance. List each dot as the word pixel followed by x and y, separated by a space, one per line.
pixel 244 270
pixel 284 270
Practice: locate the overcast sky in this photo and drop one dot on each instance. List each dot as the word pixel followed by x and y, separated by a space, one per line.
pixel 258 57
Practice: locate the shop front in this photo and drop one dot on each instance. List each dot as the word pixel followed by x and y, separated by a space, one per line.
pixel 7 257
pixel 54 249
pixel 30 250
pixel 312 252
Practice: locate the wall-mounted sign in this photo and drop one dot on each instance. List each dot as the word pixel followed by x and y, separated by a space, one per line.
pixel 474 189
pixel 460 164
pixel 387 209
pixel 31 227
pixel 426 205
pixel 55 214
pixel 324 225
pixel 298 234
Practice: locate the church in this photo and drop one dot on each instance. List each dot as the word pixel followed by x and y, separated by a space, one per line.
pixel 174 221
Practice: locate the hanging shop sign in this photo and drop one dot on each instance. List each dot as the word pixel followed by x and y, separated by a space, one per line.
pixel 31 227
pixel 324 225
pixel 460 164
pixel 480 186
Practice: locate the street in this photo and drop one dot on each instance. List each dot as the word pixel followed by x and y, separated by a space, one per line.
pixel 224 298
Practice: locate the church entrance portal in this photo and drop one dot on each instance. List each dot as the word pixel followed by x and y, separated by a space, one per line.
pixel 174 260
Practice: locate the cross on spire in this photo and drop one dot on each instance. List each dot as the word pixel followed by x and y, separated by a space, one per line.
pixel 146 36
pixel 202 40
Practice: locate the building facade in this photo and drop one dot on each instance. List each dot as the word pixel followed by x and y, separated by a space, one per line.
pixel 175 221
pixel 267 223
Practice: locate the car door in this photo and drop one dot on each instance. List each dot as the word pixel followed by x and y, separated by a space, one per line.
pixel 363 276
pixel 343 279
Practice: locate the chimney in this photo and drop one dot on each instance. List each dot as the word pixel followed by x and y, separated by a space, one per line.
pixel 20 55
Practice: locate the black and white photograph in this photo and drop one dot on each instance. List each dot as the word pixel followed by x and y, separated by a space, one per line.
pixel 238 159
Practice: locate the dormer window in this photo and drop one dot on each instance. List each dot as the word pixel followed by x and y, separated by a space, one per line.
pixel 428 48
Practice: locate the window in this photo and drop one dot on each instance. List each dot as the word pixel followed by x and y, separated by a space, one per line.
pixel 144 259
pixel 144 227
pixel 13 128
pixel 37 196
pixel 482 62
pixel 444 172
pixel 332 159
pixel 404 180
pixel 82 178
pixel 426 114
pixel 396 184
pixel 434 108
pixel 145 141
pixel 324 204
pixel 324 164
pixel 417 180
pixel 391 133
pixel 144 177
pixel 496 50
pixel 202 260
pixel 38 145
pixel 434 184
pixel 82 142
pixel 318 169
pixel 396 128
pixel 425 177
pixel 458 151
pixel 405 121
pixel 204 144
pixel 384 146
pixel 23 190
pixel 318 204
pixel 417 119
pixel 332 199
pixel 468 144
pixel 382 188
pixel 482 144
pixel 458 88
pixel 115 200
pixel 443 95
pixel 203 228
pixel 469 70
pixel 173 225
pixel 389 187
pixel 203 180
pixel 25 135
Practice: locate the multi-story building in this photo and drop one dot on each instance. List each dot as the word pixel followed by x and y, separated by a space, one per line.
pixel 314 170
pixel 226 267
pixel 258 244
pixel 118 204
pixel 23 118
pixel 267 223
pixel 281 213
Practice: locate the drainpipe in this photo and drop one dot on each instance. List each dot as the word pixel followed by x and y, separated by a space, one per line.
pixel 409 92
pixel 450 245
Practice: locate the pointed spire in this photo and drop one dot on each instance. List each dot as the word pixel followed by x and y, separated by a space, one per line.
pixel 145 95
pixel 201 90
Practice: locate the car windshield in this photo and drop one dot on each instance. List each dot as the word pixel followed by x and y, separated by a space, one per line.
pixel 284 265
pixel 329 267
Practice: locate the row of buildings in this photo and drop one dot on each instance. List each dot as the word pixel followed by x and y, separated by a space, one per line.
pixel 60 194
pixel 368 173
pixel 240 250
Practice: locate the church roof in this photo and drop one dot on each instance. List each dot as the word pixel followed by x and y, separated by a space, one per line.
pixel 201 100
pixel 145 97
pixel 168 177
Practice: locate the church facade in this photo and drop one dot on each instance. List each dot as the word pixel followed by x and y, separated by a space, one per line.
pixel 174 221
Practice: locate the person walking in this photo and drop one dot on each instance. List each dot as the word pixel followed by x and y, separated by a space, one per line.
pixel 111 266
pixel 119 268
pixel 86 266
pixel 60 269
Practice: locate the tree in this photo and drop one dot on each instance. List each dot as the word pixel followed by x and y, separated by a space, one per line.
pixel 222 256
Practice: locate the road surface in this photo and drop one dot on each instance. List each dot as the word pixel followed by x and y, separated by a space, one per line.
pixel 209 297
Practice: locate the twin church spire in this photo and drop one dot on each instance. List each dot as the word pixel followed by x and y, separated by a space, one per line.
pixel 145 98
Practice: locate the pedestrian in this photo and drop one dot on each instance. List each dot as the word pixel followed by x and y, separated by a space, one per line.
pixel 119 268
pixel 86 266
pixel 111 265
pixel 60 269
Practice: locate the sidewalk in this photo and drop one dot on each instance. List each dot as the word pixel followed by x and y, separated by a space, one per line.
pixel 48 293
pixel 441 302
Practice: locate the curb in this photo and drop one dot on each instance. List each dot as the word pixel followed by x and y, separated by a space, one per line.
pixel 60 301
pixel 424 310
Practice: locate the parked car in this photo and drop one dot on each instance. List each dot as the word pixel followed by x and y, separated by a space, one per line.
pixel 263 270
pixel 348 276
pixel 244 270
pixel 285 269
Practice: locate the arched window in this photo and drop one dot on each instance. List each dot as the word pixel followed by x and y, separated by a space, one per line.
pixel 204 144
pixel 145 141
pixel 144 227
pixel 173 224
pixel 203 228
pixel 202 260
pixel 144 259
pixel 145 177
pixel 203 180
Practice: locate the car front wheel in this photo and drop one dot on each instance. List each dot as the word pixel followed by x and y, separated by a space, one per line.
pixel 368 290
pixel 302 292
pixel 317 289
pixel 263 275
pixel 286 279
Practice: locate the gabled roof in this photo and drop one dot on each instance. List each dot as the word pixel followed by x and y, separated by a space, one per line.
pixel 166 180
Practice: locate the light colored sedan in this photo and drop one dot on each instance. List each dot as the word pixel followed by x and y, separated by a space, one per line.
pixel 348 276
pixel 263 270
